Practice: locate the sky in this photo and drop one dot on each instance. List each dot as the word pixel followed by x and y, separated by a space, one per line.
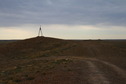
pixel 66 19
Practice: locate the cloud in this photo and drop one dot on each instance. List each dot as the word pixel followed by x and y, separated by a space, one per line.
pixel 64 31
pixel 69 12
pixel 84 32
pixel 15 33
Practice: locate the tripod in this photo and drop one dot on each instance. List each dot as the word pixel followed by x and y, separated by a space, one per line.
pixel 40 32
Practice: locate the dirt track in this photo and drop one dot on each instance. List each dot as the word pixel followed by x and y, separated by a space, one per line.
pixel 84 71
pixel 88 66
pixel 100 73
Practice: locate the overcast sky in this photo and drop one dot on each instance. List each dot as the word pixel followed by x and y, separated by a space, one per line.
pixel 67 19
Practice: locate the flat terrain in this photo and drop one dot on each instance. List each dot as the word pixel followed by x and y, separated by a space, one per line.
pixel 44 60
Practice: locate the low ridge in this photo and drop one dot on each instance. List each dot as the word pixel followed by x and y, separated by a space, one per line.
pixel 31 46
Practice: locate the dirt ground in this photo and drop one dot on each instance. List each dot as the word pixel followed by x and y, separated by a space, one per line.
pixel 34 61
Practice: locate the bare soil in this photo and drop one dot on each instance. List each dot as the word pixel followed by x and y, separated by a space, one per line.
pixel 44 60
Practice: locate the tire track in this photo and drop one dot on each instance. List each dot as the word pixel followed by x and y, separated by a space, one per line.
pixel 115 68
pixel 95 75
pixel 119 71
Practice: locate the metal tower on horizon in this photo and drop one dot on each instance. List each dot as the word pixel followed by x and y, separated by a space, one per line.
pixel 40 32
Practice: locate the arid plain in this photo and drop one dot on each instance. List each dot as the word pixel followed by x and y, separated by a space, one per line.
pixel 44 60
